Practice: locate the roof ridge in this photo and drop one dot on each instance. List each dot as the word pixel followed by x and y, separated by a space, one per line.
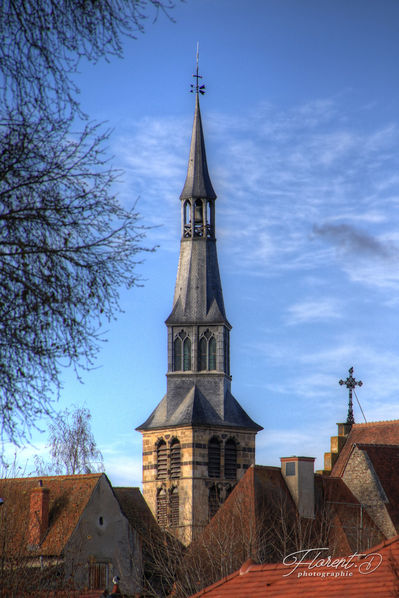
pixel 54 477
pixel 375 444
pixel 377 423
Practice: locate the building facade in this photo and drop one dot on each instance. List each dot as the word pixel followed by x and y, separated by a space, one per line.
pixel 198 441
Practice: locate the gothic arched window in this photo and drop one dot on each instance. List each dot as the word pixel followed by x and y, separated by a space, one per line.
pixel 174 507
pixel 203 352
pixel 230 459
pixel 177 354
pixel 212 353
pixel 186 354
pixel 214 458
pixel 162 460
pixel 175 458
pixel 207 352
pixel 182 352
pixel 162 508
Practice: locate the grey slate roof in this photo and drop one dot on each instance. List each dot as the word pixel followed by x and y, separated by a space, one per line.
pixel 196 410
pixel 198 183
pixel 198 291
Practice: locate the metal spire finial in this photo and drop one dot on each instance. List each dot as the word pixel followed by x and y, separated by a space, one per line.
pixel 197 88
pixel 350 384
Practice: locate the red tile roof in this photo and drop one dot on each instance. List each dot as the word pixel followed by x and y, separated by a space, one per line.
pixel 69 496
pixel 354 578
pixel 385 432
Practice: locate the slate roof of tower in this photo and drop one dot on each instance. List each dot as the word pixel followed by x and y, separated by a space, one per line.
pixel 384 432
pixel 195 409
pixel 198 183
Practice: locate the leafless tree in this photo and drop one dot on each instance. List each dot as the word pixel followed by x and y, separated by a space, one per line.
pixel 67 245
pixel 72 447
pixel 266 530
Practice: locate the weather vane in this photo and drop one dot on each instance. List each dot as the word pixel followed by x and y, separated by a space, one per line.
pixel 197 88
pixel 350 384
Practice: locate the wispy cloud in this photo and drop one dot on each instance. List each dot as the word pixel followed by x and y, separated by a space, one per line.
pixel 280 174
pixel 314 310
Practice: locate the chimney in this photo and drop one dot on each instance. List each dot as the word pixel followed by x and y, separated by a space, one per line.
pixel 298 473
pixel 38 514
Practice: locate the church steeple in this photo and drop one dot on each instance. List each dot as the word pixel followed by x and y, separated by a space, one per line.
pixel 199 440
pixel 198 292
pixel 198 183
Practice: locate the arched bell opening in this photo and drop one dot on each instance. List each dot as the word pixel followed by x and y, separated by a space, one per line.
pixel 187 218
pixel 199 218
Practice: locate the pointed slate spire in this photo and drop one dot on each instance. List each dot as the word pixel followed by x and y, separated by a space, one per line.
pixel 198 183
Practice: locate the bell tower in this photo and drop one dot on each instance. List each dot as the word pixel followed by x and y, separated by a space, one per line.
pixel 198 441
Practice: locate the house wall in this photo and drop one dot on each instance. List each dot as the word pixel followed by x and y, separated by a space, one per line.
pixel 361 479
pixel 103 535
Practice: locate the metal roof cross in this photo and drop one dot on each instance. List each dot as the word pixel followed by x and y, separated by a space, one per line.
pixel 350 384
pixel 197 88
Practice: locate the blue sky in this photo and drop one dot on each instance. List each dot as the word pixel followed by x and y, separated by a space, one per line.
pixel 302 135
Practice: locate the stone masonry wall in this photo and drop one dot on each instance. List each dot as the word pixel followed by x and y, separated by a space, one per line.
pixel 360 477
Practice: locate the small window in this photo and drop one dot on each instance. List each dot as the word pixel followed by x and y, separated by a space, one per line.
pixel 290 468
pixel 207 352
pixel 213 501
pixel 212 353
pixel 162 508
pixel 98 576
pixel 214 458
pixel 174 507
pixel 203 350
pixel 187 355
pixel 101 521
pixel 162 460
pixel 175 459
pixel 230 459
pixel 177 354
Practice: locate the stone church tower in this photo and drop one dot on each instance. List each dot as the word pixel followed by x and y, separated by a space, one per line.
pixel 198 441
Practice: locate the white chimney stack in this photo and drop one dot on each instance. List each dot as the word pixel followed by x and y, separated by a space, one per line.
pixel 298 473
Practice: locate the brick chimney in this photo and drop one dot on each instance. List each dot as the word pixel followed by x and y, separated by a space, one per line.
pixel 38 514
pixel 298 473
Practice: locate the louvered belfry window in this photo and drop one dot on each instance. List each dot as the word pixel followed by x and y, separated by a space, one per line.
pixel 230 459
pixel 162 516
pixel 175 459
pixel 162 460
pixel 214 458
pixel 174 507
pixel 213 501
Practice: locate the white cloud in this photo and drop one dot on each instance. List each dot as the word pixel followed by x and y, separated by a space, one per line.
pixel 314 310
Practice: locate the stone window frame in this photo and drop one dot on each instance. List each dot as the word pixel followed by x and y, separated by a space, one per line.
pixel 182 349
pixel 207 352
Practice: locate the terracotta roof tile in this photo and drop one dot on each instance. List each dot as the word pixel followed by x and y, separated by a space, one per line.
pixel 386 432
pixel 69 496
pixel 358 580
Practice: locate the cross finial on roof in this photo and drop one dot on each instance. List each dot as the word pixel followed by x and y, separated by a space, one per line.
pixel 197 88
pixel 350 384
